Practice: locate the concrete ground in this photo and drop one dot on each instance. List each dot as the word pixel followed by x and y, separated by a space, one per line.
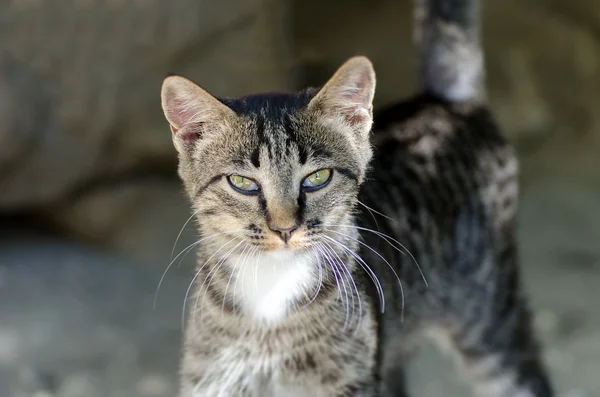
pixel 77 322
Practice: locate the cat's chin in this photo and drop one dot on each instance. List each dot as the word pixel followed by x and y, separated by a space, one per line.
pixel 290 247
pixel 285 252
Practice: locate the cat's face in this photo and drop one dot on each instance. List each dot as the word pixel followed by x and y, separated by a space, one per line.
pixel 276 171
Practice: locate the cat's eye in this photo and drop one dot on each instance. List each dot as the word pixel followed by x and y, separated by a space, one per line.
pixel 243 184
pixel 317 180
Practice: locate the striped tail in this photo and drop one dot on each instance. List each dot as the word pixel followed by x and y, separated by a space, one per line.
pixel 451 59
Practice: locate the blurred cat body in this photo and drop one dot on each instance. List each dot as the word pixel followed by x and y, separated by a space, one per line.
pixel 300 293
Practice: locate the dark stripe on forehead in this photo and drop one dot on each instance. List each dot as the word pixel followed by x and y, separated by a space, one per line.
pixel 347 173
pixel 255 157
pixel 289 127
pixel 214 179
pixel 271 104
pixel 302 154
pixel 320 153
pixel 259 123
pixel 273 111
pixel 291 137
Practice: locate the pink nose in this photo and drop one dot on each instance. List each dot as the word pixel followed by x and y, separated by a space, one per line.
pixel 284 233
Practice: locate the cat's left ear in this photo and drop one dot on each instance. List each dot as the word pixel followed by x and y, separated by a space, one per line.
pixel 191 112
pixel 347 98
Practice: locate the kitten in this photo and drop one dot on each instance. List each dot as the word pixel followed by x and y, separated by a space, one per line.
pixel 322 262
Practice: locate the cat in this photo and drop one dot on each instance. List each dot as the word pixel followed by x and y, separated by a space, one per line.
pixel 332 240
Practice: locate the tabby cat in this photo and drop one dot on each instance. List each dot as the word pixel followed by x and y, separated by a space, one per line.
pixel 327 250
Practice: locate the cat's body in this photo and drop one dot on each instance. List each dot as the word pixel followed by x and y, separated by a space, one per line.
pixel 451 190
pixel 293 270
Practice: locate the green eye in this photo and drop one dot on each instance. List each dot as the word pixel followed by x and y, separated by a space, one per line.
pixel 243 184
pixel 317 180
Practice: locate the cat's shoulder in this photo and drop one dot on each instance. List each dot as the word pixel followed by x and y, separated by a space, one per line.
pixel 443 138
pixel 429 115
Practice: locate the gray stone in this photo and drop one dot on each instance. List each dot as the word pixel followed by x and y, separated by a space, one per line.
pixel 140 218
pixel 80 322
pixel 95 68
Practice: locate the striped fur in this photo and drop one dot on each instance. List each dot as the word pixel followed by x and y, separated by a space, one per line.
pixel 447 38
pixel 412 235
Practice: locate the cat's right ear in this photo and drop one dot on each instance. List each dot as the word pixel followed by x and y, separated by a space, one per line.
pixel 347 99
pixel 191 112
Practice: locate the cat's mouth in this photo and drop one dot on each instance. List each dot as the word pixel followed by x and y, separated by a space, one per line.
pixel 291 241
pixel 273 245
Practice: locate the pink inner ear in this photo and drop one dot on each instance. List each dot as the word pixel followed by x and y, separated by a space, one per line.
pixel 357 108
pixel 190 132
pixel 356 105
pixel 180 110
pixel 356 118
pixel 181 116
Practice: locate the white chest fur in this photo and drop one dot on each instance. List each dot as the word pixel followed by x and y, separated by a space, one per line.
pixel 265 285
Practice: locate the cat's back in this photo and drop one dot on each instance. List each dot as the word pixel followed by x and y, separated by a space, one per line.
pixel 445 151
pixel 443 174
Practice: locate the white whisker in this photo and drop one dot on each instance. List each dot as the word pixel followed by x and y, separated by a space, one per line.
pixel 345 267
pixel 320 281
pixel 370 213
pixel 351 279
pixel 387 239
pixel 198 273
pixel 232 274
pixel 328 260
pixel 375 211
pixel 181 231
pixel 332 254
pixel 185 250
pixel 251 256
pixel 366 268
pixel 382 258
pixel 214 271
pixel 342 279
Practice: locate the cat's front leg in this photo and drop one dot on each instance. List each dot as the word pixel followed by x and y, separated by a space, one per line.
pixel 206 377
pixel 503 359
pixel 496 340
pixel 224 385
pixel 360 388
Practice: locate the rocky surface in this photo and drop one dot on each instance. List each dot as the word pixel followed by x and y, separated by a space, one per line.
pixel 80 82
pixel 80 323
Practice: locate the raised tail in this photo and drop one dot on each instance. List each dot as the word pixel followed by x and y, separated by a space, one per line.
pixel 446 33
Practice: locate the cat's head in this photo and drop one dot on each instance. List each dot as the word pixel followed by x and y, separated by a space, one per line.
pixel 273 171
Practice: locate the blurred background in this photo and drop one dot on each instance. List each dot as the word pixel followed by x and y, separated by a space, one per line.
pixel 90 204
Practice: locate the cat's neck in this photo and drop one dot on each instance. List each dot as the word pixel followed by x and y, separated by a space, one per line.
pixel 267 288
pixel 268 285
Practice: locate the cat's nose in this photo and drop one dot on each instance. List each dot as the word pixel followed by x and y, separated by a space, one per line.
pixel 284 233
